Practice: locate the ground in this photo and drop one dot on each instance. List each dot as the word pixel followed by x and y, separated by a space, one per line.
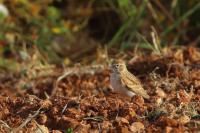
pixel 79 98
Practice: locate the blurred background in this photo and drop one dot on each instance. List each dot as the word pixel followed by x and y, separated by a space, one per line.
pixel 69 31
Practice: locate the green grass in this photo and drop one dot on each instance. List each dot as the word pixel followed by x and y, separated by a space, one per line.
pixel 133 21
pixel 172 21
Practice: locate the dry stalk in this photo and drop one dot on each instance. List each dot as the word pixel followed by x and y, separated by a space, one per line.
pixel 41 130
pixel 15 130
pixel 4 124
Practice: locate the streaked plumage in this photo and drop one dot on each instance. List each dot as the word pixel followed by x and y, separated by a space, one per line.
pixel 123 81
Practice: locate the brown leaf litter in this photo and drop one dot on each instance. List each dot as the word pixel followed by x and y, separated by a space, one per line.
pixel 83 102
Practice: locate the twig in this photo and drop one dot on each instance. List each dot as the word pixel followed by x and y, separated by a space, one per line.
pixel 99 128
pixel 63 110
pixel 6 125
pixel 156 40
pixel 27 120
pixel 95 118
pixel 39 127
pixel 46 95
pixel 58 80
pixel 66 105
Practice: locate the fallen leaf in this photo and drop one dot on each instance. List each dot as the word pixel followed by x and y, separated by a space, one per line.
pixel 168 129
pixel 164 121
pixel 184 119
pixel 56 131
pixel 41 129
pixel 160 93
pixel 136 127
pixel 122 120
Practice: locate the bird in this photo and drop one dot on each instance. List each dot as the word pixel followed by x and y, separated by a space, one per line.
pixel 122 81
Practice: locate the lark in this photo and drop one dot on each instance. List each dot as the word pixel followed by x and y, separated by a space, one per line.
pixel 122 81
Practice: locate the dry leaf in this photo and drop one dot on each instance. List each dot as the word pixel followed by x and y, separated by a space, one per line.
pixel 136 127
pixel 184 97
pixel 45 103
pixel 122 120
pixel 56 131
pixel 42 119
pixel 159 101
pixel 41 129
pixel 124 130
pixel 184 119
pixel 160 93
pixel 168 129
pixel 165 121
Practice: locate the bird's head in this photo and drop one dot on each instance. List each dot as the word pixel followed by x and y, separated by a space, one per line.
pixel 119 67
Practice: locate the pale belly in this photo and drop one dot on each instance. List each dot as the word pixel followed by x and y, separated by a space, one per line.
pixel 117 86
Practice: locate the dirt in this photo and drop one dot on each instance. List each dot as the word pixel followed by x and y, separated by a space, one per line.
pixel 82 101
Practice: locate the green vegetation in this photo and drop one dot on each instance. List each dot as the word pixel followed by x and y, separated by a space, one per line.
pixel 49 24
pixel 69 130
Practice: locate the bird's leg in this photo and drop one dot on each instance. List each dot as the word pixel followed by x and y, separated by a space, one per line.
pixel 111 88
pixel 117 104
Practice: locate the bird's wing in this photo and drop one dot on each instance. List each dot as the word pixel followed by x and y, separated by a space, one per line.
pixel 128 78
pixel 133 84
pixel 138 89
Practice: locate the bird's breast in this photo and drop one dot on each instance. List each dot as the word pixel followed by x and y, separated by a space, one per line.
pixel 115 81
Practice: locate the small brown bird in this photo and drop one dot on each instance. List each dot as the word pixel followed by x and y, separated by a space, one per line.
pixel 124 82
